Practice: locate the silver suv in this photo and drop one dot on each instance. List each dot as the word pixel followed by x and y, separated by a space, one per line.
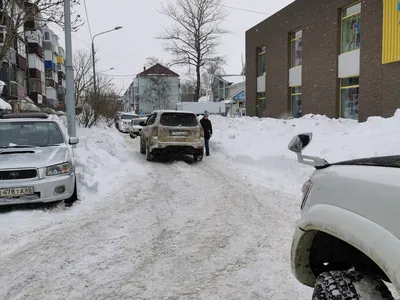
pixel 170 132
pixel 36 161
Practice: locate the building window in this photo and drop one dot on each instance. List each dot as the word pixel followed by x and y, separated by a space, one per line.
pixel 351 19
pixel 260 104
pixel 21 48
pixel 47 36
pixel 295 101
pixel 349 91
pixel 260 61
pixel 297 47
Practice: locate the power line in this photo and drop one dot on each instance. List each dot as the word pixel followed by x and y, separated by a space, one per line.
pixel 87 17
pixel 247 10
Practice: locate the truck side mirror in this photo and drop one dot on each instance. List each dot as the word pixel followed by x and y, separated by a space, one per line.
pixel 300 142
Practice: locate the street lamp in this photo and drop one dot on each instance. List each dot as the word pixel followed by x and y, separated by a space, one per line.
pixel 93 55
pixel 110 69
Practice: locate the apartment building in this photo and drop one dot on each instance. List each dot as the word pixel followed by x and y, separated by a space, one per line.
pixel 339 58
pixel 14 65
pixel 50 46
pixel 36 76
pixel 156 87
pixel 61 90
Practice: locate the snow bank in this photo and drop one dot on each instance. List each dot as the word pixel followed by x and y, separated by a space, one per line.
pixel 4 105
pixel 263 142
pixel 99 156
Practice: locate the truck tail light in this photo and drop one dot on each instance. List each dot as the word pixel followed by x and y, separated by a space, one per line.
pixel 154 131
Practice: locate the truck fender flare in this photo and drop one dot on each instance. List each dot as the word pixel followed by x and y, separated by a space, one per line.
pixel 380 245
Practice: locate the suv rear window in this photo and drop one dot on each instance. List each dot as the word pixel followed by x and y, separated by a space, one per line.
pixel 178 119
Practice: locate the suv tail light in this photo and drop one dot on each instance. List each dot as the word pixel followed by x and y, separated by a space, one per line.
pixel 154 131
pixel 201 132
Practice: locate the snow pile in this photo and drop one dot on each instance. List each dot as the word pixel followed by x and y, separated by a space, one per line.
pixel 4 105
pixel 99 157
pixel 204 99
pixel 264 142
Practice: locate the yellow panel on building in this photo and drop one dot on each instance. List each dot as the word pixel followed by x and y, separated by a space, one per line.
pixel 391 32
pixel 60 60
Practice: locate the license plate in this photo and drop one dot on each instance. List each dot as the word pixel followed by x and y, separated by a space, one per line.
pixel 179 133
pixel 16 192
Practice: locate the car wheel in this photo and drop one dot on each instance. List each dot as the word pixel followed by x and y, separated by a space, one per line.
pixel 149 155
pixel 142 147
pixel 71 200
pixel 198 157
pixel 349 285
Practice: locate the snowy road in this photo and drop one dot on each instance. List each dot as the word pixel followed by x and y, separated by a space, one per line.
pixel 175 231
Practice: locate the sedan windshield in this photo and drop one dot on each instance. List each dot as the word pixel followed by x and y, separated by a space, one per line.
pixel 129 117
pixel 24 134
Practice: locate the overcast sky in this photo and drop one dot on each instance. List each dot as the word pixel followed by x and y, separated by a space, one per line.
pixel 126 49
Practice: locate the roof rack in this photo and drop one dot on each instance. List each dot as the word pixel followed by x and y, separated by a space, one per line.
pixel 26 115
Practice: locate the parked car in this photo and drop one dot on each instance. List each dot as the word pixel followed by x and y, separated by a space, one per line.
pixel 124 121
pixel 172 132
pixel 136 128
pixel 347 241
pixel 117 118
pixel 37 162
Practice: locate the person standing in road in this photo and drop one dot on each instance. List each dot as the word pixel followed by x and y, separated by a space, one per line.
pixel 206 124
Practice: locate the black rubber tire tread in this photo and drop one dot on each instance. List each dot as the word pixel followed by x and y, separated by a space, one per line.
pixel 339 285
pixel 142 149
pixel 197 158
pixel 71 200
pixel 149 156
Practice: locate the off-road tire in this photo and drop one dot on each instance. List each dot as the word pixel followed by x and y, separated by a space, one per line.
pixel 149 156
pixel 349 285
pixel 71 200
pixel 198 157
pixel 142 147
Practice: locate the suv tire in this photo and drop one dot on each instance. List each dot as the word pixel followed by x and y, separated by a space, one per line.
pixel 71 200
pixel 149 155
pixel 142 147
pixel 198 157
pixel 349 285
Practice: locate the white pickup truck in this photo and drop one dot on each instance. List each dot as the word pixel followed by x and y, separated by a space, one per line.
pixel 347 242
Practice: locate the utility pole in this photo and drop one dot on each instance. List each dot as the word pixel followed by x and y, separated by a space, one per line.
pixel 69 70
pixel 94 69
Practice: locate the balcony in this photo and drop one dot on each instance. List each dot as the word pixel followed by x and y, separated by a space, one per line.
pixel 17 91
pixel 35 86
pixel 36 49
pixel 61 69
pixel 34 37
pixel 61 90
pixel 51 93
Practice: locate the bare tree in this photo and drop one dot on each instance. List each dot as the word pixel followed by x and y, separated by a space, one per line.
pixel 213 68
pixel 19 13
pixel 152 60
pixel 195 35
pixel 83 66
pixel 158 92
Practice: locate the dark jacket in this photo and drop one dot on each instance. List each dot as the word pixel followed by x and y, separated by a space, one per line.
pixel 206 124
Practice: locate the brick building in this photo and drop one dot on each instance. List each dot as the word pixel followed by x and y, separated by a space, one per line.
pixel 339 58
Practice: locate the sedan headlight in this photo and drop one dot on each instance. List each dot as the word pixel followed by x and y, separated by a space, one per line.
pixel 306 191
pixel 59 169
